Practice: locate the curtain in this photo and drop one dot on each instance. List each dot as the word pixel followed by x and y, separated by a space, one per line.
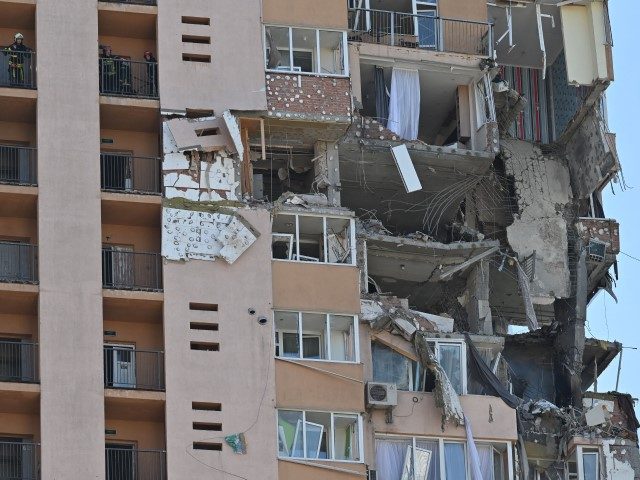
pixel 390 367
pixel 404 103
pixel 454 461
pixel 450 359
pixel 474 459
pixel 485 454
pixel 382 103
pixel 390 456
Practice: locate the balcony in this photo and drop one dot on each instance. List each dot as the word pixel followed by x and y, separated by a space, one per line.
pixel 18 361
pixel 19 459
pixel 420 31
pixel 18 165
pixel 132 2
pixel 126 462
pixel 128 174
pixel 127 78
pixel 18 262
pixel 127 367
pixel 18 70
pixel 124 269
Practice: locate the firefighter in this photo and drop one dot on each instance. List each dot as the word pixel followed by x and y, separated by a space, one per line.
pixel 18 52
pixel 152 73
pixel 108 70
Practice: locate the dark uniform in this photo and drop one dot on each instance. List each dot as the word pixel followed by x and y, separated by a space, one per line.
pixel 18 55
pixel 152 74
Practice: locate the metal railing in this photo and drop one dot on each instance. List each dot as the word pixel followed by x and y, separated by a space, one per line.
pixel 17 69
pixel 420 31
pixel 19 459
pixel 129 463
pixel 125 173
pixel 18 262
pixel 128 78
pixel 127 270
pixel 135 2
pixel 133 369
pixel 18 361
pixel 18 165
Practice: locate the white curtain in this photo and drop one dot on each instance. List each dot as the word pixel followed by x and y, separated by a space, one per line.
pixel 404 103
pixel 485 454
pixel 474 458
pixel 454 461
pixel 390 455
pixel 434 466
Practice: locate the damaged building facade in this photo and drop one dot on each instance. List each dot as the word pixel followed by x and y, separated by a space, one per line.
pixel 338 240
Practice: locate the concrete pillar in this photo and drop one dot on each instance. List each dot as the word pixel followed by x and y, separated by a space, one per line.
pixel 478 302
pixel 327 170
pixel 69 225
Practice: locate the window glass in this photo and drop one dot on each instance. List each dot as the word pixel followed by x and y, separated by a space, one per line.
pixel 289 433
pixel 318 435
pixel 432 446
pixel 346 437
pixel 338 240
pixel 311 239
pixel 590 465
pixel 451 361
pixel 305 55
pixel 283 238
pixel 277 51
pixel 391 367
pixel 313 336
pixel 331 53
pixel 454 461
pixel 287 328
pixel 390 458
pixel 342 338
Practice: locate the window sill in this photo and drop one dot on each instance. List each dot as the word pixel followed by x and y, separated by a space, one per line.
pixel 305 74
pixel 320 460
pixel 312 263
pixel 318 360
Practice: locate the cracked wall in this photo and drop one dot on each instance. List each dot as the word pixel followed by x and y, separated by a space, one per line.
pixel 543 193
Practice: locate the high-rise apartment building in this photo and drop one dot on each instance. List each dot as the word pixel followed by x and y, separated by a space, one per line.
pixel 306 240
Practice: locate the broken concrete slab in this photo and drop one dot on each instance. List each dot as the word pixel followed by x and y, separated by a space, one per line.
pixel 202 134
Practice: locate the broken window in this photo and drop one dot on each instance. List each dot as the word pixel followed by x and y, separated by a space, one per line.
pixel 305 50
pixel 316 336
pixel 313 239
pixel 319 435
pixel 485 108
pixel 390 366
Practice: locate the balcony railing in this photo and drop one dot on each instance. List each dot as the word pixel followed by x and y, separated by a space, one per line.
pixel 125 462
pixel 18 165
pixel 127 270
pixel 18 262
pixel 128 78
pixel 126 367
pixel 19 459
pixel 133 2
pixel 410 30
pixel 17 69
pixel 125 173
pixel 18 361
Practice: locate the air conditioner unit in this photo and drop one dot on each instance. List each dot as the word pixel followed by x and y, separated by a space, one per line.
pixel 382 395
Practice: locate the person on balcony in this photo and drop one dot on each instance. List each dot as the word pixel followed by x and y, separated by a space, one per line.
pixel 18 52
pixel 108 70
pixel 152 73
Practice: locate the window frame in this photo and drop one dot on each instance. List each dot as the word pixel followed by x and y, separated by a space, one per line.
pixel 583 450
pixel 463 357
pixel 325 340
pixel 509 474
pixel 330 441
pixel 316 61
pixel 294 254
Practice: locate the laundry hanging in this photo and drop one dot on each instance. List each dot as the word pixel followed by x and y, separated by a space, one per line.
pixel 404 103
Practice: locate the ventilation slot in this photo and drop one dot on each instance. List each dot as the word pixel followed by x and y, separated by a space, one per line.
pixel 196 39
pixel 192 57
pixel 196 20
pixel 205 307
pixel 207 406
pixel 205 346
pixel 207 446
pixel 210 427
pixel 211 327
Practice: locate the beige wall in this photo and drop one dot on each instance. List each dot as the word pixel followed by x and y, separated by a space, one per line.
pixel 143 239
pixel 296 471
pixel 18 228
pixel 142 144
pixel 299 387
pixel 16 325
pixel 133 48
pixel 235 77
pixel 18 132
pixel 6 36
pixel 145 336
pixel 316 287
pixel 70 298
pixel 475 10
pixel 306 13
pixel 146 435
pixel 240 376
pixel 20 424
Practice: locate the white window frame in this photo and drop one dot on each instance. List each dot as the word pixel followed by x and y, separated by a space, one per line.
pixel 294 255
pixel 581 451
pixel 331 440
pixel 317 65
pixel 432 6
pixel 463 356
pixel 483 100
pixel 442 440
pixel 325 335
